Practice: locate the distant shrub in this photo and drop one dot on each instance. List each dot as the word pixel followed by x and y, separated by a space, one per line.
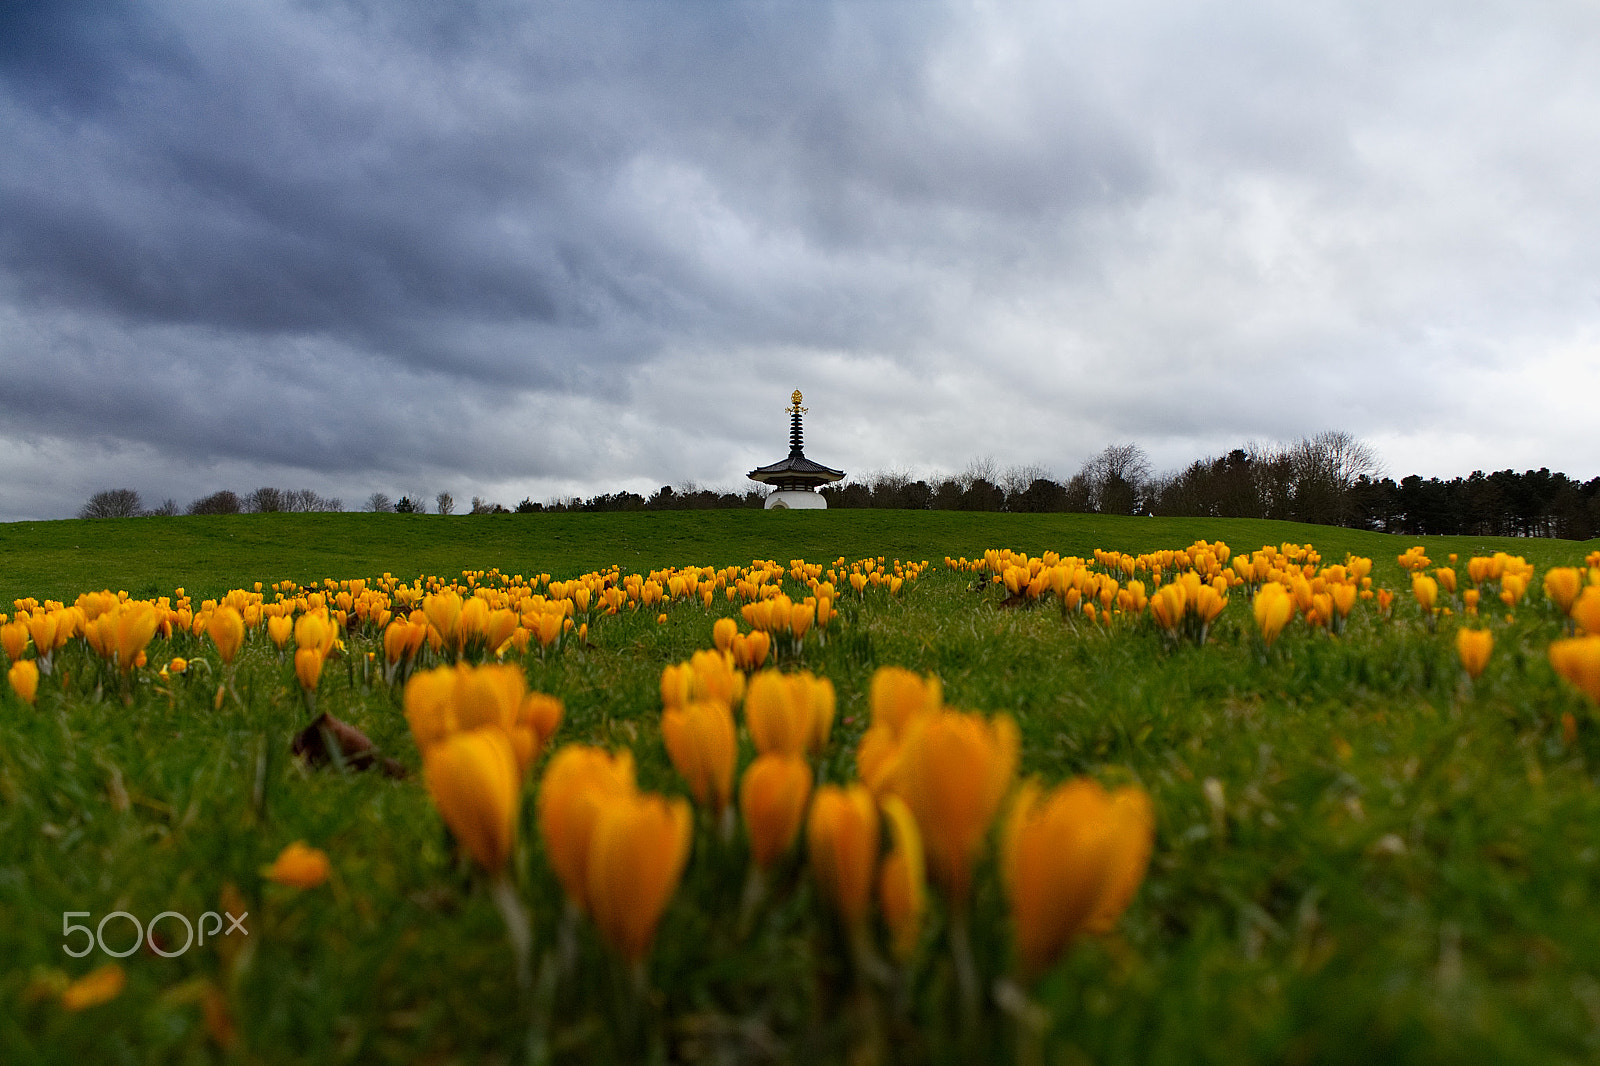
pixel 224 502
pixel 113 503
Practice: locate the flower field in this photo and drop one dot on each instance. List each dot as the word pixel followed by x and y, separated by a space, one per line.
pixel 1206 800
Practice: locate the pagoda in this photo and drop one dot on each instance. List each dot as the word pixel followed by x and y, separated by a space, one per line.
pixel 796 478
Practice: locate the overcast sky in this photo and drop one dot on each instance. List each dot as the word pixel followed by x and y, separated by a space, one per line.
pixel 535 249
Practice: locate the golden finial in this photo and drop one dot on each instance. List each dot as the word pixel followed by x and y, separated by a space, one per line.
pixel 794 400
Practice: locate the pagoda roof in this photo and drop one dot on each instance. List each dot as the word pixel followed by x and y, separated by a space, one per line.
pixel 796 467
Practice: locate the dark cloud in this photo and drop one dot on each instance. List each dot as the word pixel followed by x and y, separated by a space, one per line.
pixel 577 247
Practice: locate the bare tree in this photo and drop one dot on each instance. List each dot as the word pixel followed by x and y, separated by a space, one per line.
pixel 1323 468
pixel 265 500
pixel 305 500
pixel 1116 478
pixel 980 468
pixel 168 508
pixel 444 503
pixel 1015 480
pixel 379 503
pixel 113 503
pixel 1344 456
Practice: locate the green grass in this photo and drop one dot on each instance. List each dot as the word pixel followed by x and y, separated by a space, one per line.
pixel 208 555
pixel 1404 868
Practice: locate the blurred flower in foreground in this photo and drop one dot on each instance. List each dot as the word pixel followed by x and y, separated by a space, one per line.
pixel 14 639
pixel 1586 610
pixel 298 866
pixel 24 678
pixel 842 839
pixel 1273 608
pixel 1072 860
pixel 772 800
pixel 452 699
pixel 1474 646
pixel 901 894
pixel 898 697
pixel 790 714
pixel 475 782
pixel 701 742
pixel 955 769
pixel 280 627
pixel 93 989
pixel 1562 585
pixel 577 783
pixel 226 630
pixel 1578 660
pixel 637 854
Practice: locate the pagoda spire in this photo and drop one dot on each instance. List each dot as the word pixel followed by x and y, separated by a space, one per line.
pixel 796 437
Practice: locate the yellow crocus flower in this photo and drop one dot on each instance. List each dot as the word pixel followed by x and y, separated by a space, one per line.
pixel 93 989
pixel 1578 660
pixel 1586 610
pixel 842 842
pixel 308 667
pixel 226 630
pixel 1474 646
pixel 637 854
pixel 954 771
pixel 1071 860
pixel 701 742
pixel 475 782
pixel 772 801
pixel 778 714
pixel 14 639
pixel 280 627
pixel 902 896
pixel 24 679
pixel 722 633
pixel 576 782
pixel 299 866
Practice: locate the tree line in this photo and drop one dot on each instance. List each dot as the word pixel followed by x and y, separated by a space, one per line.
pixel 127 503
pixel 1331 478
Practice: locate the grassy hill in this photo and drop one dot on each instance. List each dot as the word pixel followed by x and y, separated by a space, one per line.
pixel 1360 854
pixel 209 554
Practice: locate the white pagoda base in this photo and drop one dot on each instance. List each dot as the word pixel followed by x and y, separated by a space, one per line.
pixel 795 500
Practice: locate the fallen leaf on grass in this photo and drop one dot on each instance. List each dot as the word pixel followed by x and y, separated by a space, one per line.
pixel 328 740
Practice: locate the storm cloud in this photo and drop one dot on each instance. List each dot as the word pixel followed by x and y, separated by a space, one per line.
pixel 518 249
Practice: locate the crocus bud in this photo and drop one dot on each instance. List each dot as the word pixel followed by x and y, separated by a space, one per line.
pixel 842 839
pixel 1474 645
pixel 772 801
pixel 901 893
pixel 636 858
pixel 577 781
pixel 475 782
pixel 1071 861
pixel 701 742
pixel 955 769
pixel 1578 660
pixel 226 630
pixel 24 678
